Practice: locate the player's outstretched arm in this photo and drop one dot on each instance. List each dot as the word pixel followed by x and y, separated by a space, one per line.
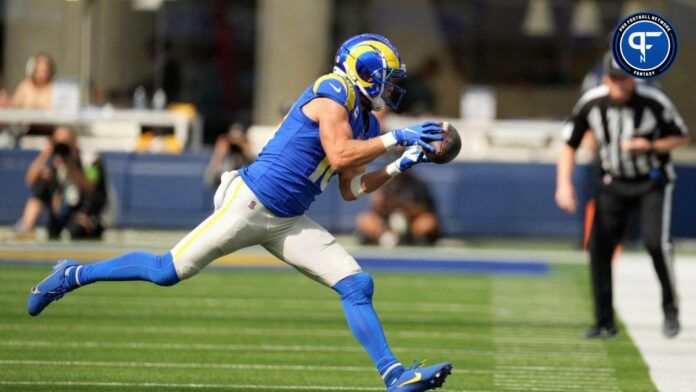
pixel 353 183
pixel 336 136
pixel 345 152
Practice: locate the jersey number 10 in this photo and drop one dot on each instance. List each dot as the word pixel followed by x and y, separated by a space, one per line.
pixel 322 174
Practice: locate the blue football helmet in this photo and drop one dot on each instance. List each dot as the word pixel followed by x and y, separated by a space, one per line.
pixel 371 62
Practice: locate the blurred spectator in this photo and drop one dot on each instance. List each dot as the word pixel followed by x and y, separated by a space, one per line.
pixel 232 151
pixel 34 92
pixel 420 98
pixel 74 195
pixel 403 212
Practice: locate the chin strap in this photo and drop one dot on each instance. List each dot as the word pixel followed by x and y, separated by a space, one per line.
pixel 377 104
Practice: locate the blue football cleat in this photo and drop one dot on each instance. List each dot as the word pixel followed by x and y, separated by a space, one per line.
pixel 54 287
pixel 417 378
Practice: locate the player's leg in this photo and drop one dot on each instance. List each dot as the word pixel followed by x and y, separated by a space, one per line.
pixel 235 225
pixel 67 276
pixel 607 229
pixel 312 250
pixel 222 232
pixel 225 231
pixel 655 224
pixel 196 250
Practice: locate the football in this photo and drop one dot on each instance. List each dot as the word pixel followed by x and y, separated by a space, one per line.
pixel 448 148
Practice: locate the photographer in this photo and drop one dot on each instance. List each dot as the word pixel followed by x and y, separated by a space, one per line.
pixel 232 151
pixel 73 195
pixel 402 213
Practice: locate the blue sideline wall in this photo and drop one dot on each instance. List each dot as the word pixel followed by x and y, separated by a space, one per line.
pixel 473 198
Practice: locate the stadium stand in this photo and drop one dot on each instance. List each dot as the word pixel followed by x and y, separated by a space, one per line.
pixel 168 191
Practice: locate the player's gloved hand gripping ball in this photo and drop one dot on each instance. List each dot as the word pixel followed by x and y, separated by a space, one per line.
pixel 443 148
pixel 412 156
pixel 418 134
pixel 447 148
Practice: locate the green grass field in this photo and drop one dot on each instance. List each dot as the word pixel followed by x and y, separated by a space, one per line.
pixel 234 329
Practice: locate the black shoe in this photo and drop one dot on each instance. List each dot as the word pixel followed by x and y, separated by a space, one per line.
pixel 601 332
pixel 671 326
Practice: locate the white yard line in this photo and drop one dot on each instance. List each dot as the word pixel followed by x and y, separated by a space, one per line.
pixel 589 357
pixel 238 304
pixel 672 362
pixel 191 386
pixel 569 372
pixel 504 336
pixel 511 372
pixel 185 365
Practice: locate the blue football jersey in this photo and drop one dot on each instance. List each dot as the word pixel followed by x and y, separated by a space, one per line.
pixel 292 169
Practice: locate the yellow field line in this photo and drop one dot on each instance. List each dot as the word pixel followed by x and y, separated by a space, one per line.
pixel 91 256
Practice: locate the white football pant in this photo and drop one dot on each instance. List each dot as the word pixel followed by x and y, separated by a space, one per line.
pixel 241 220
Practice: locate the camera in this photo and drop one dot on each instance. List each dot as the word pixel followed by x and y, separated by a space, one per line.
pixel 61 149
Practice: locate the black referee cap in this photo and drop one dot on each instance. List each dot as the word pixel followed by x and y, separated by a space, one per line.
pixel 610 67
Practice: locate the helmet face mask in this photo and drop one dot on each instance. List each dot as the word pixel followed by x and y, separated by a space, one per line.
pixel 372 64
pixel 391 93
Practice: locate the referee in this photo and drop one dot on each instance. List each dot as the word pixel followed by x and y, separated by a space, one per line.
pixel 635 126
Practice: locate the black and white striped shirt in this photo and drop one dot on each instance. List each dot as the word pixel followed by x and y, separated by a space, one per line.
pixel 648 114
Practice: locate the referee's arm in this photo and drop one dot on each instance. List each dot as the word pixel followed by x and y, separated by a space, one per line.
pixel 674 132
pixel 573 132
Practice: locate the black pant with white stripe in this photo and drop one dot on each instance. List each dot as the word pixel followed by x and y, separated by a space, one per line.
pixel 615 202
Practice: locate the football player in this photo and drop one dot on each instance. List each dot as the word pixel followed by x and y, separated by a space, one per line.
pixel 329 130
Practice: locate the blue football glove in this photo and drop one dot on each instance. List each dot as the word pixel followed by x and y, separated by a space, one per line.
pixel 411 157
pixel 418 134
